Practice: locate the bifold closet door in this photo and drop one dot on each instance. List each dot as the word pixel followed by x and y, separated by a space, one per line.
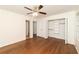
pixel 56 28
pixel 50 28
pixel 62 28
pixel 53 28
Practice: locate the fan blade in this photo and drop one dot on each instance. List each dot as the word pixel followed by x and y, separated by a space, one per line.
pixel 40 6
pixel 30 13
pixel 28 8
pixel 43 13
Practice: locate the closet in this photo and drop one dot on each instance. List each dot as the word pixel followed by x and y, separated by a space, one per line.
pixel 77 33
pixel 56 28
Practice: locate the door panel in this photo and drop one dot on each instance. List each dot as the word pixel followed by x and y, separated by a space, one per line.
pixel 56 28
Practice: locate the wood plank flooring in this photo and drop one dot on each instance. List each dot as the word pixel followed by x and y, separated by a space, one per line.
pixel 39 45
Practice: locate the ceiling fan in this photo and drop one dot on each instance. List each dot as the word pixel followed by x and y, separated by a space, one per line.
pixel 36 10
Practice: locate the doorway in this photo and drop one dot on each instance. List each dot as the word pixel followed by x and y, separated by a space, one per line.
pixel 34 28
pixel 27 28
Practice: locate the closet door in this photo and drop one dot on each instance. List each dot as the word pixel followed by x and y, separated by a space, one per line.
pixel 53 28
pixel 50 28
pixel 62 28
pixel 56 28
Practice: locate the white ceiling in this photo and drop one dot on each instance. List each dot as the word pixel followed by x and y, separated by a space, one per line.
pixel 49 9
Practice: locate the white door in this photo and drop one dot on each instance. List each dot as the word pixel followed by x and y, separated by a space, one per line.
pixel 62 28
pixel 56 28
pixel 51 28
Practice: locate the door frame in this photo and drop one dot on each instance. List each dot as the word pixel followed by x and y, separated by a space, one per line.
pixel 33 28
pixel 28 28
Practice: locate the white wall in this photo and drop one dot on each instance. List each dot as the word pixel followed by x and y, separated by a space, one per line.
pixel 31 27
pixel 70 19
pixel 42 28
pixel 77 45
pixel 12 27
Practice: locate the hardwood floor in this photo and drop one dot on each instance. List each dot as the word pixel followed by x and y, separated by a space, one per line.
pixel 39 45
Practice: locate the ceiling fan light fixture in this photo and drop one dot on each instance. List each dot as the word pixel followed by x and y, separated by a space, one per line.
pixel 35 14
pixel 36 10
